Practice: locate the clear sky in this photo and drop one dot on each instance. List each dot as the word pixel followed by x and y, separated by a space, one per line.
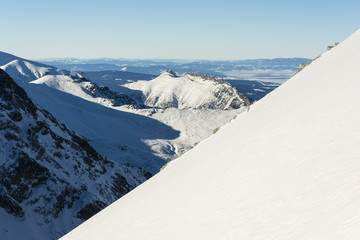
pixel 186 29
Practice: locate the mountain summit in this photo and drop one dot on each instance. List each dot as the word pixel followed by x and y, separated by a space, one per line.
pixel 193 90
pixel 291 172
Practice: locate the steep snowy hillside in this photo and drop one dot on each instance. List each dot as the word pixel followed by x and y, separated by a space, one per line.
pixel 90 91
pixel 190 91
pixel 50 178
pixel 118 135
pixel 291 172
pixel 26 70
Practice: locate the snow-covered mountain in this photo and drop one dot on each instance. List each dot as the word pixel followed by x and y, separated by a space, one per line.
pixel 120 121
pixel 51 179
pixel 193 90
pixel 291 172
pixel 26 70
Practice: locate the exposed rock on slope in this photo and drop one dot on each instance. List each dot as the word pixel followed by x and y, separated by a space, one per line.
pixel 305 64
pixel 49 176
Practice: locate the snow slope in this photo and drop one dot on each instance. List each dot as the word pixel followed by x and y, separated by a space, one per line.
pixel 291 172
pixel 26 70
pixel 85 89
pixel 118 135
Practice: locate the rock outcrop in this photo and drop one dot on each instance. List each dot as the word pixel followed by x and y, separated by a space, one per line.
pixel 303 65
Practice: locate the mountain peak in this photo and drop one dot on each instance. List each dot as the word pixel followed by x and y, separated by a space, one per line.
pixel 170 72
pixel 196 91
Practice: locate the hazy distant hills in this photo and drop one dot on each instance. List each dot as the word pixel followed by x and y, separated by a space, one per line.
pixel 155 67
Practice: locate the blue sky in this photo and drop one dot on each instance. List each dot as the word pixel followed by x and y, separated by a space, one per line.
pixel 187 29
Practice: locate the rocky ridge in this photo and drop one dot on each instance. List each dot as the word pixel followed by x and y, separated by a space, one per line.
pixel 48 172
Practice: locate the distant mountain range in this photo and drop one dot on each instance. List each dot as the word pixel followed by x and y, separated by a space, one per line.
pixel 155 67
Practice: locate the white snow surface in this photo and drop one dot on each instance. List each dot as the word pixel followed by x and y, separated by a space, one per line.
pixel 287 169
pixel 67 84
